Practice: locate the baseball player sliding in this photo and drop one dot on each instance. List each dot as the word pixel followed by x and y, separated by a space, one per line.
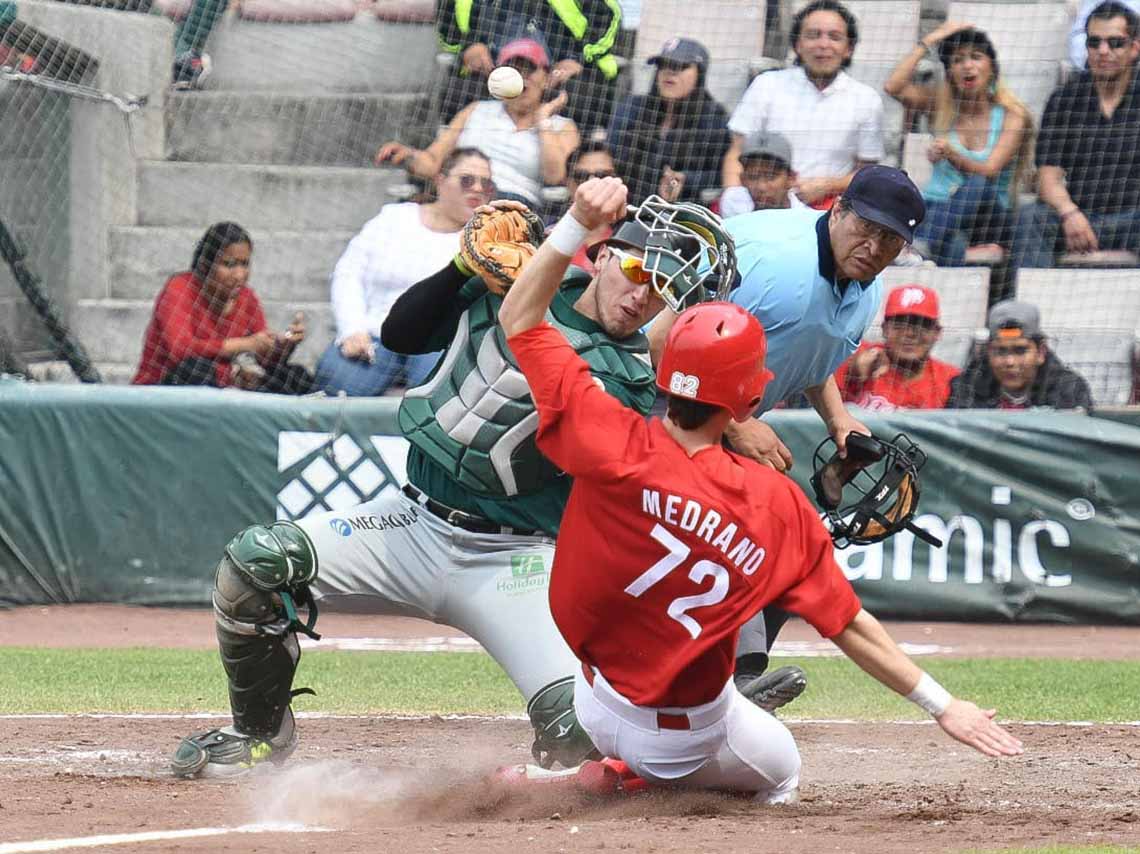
pixel 670 542
pixel 470 541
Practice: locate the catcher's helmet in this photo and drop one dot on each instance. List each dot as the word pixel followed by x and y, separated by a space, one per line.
pixel 715 354
pixel 872 493
pixel 685 247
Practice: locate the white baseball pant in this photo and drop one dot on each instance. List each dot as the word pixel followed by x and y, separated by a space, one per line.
pixel 729 744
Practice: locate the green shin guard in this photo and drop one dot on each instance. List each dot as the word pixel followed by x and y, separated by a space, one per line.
pixel 558 737
pixel 263 575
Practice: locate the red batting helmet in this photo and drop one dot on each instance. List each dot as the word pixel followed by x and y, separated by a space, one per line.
pixel 715 354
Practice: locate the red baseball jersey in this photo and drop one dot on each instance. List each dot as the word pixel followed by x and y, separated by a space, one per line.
pixel 661 557
pixel 928 390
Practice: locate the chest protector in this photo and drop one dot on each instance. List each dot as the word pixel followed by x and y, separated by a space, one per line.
pixel 475 416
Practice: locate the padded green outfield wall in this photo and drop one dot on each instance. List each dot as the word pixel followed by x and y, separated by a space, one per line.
pixel 129 494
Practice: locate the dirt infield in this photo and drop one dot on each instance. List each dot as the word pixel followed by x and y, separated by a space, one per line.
pixel 419 785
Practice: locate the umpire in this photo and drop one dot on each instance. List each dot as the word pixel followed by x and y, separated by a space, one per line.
pixel 812 280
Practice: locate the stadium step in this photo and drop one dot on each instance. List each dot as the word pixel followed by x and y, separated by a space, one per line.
pixel 361 55
pixel 271 127
pixel 112 329
pixel 287 265
pixel 112 373
pixel 296 198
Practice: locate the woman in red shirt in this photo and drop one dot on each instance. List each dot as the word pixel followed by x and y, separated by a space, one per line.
pixel 208 327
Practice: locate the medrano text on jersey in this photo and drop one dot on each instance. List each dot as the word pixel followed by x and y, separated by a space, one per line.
pixel 707 524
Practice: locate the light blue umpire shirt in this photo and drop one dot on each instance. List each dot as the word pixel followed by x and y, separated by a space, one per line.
pixel 813 320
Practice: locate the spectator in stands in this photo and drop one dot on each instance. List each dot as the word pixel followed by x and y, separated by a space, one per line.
pixel 395 249
pixel 1078 51
pixel 671 141
pixel 983 141
pixel 766 176
pixel 1018 371
pixel 900 373
pixel 591 159
pixel 208 327
pixel 579 35
pixel 525 138
pixel 191 63
pixel 834 122
pixel 1088 154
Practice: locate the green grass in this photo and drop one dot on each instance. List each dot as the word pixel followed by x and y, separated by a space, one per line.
pixel 166 680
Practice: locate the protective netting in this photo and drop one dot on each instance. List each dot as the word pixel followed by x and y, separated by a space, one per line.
pixel 345 142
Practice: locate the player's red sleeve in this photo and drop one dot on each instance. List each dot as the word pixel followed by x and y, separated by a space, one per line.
pixel 582 428
pixel 173 313
pixel 823 596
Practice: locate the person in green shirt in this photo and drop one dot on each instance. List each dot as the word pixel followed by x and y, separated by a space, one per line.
pixel 469 542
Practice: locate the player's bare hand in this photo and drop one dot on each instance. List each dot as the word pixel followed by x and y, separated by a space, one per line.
pixel 1079 234
pixel 359 347
pixel 395 153
pixel 599 201
pixel 976 727
pixel 477 59
pixel 869 364
pixel 842 427
pixel 757 440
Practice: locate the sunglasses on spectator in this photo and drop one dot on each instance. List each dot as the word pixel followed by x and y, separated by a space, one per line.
pixel 1114 42
pixel 1015 350
pixel 672 65
pixel 581 175
pixel 523 66
pixel 467 182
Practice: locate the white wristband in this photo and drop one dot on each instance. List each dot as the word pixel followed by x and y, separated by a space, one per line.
pixel 930 695
pixel 567 236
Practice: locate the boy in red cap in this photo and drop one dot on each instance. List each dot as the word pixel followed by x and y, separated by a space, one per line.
pixel 899 373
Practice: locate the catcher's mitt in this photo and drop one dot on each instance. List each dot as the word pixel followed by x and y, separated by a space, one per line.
pixel 496 245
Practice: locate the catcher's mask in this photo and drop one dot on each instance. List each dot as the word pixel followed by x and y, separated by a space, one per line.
pixel 685 247
pixel 873 492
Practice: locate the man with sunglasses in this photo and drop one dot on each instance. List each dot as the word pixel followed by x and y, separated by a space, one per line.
pixel 1018 371
pixel 900 373
pixel 1088 151
pixel 812 280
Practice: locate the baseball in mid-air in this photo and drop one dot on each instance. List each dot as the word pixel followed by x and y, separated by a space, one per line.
pixel 505 82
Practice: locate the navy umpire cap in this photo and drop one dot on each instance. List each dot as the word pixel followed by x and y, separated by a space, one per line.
pixel 885 195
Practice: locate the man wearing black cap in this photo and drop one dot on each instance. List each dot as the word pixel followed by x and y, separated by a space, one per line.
pixel 1018 370
pixel 812 280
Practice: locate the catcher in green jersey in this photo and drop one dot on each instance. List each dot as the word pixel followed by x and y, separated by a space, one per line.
pixel 470 541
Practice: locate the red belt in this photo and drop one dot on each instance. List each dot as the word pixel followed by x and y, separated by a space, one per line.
pixel 664 719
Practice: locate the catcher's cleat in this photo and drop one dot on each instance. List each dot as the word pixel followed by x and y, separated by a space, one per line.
pixel 772 690
pixel 228 753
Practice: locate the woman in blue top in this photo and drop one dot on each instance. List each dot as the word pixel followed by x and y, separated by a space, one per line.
pixel 983 138
pixel 671 141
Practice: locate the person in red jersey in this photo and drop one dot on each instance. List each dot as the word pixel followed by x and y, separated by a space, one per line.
pixel 900 373
pixel 670 542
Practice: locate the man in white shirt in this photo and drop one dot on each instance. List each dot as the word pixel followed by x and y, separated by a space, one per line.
pixel 833 122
